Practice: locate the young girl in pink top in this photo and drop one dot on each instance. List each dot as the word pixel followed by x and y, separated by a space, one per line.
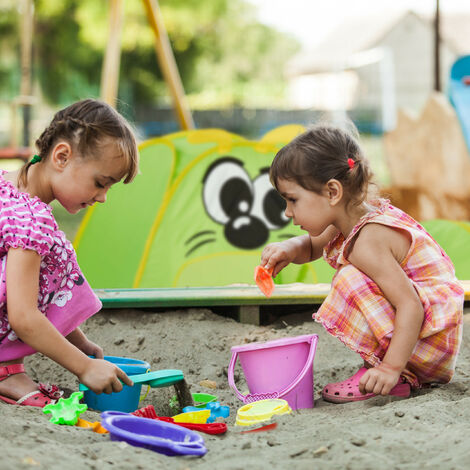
pixel 394 298
pixel 44 297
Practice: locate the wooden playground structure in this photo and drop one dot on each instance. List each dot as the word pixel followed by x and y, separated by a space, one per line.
pixel 109 75
pixel 429 163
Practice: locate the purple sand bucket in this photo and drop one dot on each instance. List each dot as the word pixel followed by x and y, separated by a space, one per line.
pixel 164 438
pixel 282 368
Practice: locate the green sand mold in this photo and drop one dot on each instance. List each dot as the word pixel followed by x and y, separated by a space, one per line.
pixel 66 410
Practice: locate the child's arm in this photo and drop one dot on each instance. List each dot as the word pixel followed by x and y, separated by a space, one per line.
pixel 22 274
pixel 377 252
pixel 79 339
pixel 298 250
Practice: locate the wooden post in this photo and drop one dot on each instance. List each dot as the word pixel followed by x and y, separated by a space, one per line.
pixel 112 58
pixel 167 64
pixel 13 143
pixel 26 48
pixel 250 314
pixel 184 394
pixel 437 52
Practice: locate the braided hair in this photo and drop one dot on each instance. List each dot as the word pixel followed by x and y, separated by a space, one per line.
pixel 320 154
pixel 83 124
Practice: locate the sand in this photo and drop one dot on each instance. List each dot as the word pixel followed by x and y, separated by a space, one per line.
pixel 430 430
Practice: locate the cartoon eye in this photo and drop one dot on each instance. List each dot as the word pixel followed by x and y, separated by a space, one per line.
pixel 227 191
pixel 268 204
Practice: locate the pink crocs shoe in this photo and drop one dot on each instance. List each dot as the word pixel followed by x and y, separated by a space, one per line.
pixel 348 390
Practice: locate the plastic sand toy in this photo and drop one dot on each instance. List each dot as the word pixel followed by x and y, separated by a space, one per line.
pixel 146 412
pixel 217 410
pixel 155 379
pixel 209 428
pixel 281 368
pixel 264 280
pixel 95 427
pixel 267 427
pixel 195 417
pixel 165 438
pixel 260 411
pixel 66 410
pixel 202 399
pixel 127 400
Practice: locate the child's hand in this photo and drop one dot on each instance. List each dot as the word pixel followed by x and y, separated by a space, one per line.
pixel 379 380
pixel 276 256
pixel 103 376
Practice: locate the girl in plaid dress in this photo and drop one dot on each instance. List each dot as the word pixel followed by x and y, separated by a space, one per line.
pixel 394 298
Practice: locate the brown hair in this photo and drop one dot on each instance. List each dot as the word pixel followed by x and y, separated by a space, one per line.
pixel 319 155
pixel 83 124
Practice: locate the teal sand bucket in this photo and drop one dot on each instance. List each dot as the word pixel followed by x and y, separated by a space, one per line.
pixel 127 400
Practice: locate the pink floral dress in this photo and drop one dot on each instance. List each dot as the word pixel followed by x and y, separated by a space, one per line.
pixel 65 297
pixel 357 312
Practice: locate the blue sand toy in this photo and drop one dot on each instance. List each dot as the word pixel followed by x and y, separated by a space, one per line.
pixel 127 400
pixel 459 93
pixel 217 410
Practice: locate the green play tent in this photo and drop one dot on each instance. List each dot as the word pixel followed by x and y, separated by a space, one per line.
pixel 198 214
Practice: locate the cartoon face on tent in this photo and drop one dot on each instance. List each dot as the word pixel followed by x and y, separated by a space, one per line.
pixel 247 209
pixel 198 214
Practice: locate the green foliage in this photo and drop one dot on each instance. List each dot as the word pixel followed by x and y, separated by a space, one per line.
pixel 223 54
pixel 9 48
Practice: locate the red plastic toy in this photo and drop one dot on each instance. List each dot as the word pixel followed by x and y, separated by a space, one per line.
pixel 264 280
pixel 209 428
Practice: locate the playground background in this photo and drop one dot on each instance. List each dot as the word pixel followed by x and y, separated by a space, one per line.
pixel 262 72
pixel 234 72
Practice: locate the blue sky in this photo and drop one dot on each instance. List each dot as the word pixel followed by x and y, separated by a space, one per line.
pixel 311 20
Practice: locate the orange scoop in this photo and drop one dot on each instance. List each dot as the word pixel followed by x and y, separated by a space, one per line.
pixel 96 426
pixel 264 280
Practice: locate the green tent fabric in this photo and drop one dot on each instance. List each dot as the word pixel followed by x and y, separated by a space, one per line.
pixel 454 238
pixel 198 214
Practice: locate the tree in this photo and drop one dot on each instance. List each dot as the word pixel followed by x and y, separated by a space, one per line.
pixel 224 55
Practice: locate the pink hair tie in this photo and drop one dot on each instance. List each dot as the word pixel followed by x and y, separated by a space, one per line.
pixel 351 163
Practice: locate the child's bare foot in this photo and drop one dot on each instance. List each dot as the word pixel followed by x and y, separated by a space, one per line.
pixel 17 385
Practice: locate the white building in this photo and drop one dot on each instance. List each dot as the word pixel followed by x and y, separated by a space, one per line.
pixel 376 65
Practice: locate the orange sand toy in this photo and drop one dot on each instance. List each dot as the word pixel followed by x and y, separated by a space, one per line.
pixel 264 280
pixel 96 426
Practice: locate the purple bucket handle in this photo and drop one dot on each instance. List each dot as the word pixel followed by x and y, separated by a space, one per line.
pixel 260 396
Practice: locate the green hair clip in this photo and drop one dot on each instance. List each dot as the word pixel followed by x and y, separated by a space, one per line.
pixel 35 159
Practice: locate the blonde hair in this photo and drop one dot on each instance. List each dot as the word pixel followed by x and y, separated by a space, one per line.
pixel 320 154
pixel 83 125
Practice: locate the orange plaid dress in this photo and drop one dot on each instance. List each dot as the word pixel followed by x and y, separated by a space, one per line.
pixel 357 312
